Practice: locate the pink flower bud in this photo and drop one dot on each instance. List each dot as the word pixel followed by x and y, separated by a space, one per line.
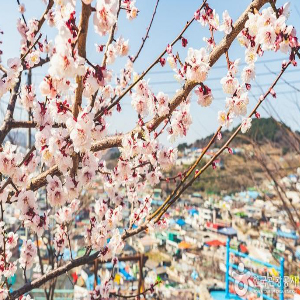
pixel 284 64
pixel 162 61
pixel 272 92
pixel 257 115
pixel 260 52
pixel 230 150
pixel 184 42
pixel 261 97
pixel 197 15
pixel 213 164
pixel 119 107
pixel 219 136
pixel 169 49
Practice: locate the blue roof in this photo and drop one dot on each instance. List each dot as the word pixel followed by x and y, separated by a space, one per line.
pixel 67 254
pixel 228 231
pixel 227 198
pixel 194 275
pixel 193 211
pixel 121 265
pixel 253 194
pixel 250 194
pixel 288 235
pixel 126 275
pixel 90 282
pixel 180 222
pixel 157 202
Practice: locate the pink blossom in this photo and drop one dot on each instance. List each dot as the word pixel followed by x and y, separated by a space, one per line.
pixel 246 125
pixel 105 16
pixel 227 23
pixel 205 96
pixel 229 84
pixel 28 254
pixel 224 118
pixel 197 65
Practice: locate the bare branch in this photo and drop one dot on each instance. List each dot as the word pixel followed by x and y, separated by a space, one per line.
pixel 5 127
pixel 147 34
pixel 111 36
pixel 31 47
pixel 285 81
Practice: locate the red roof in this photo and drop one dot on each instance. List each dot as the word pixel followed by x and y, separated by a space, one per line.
pixel 215 243
pixel 243 248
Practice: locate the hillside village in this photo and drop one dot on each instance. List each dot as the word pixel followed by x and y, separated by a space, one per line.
pixel 189 256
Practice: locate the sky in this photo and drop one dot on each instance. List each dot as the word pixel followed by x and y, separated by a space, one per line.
pixel 170 19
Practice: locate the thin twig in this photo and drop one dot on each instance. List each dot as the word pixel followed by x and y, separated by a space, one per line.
pixel 111 36
pixel 147 34
pixel 31 47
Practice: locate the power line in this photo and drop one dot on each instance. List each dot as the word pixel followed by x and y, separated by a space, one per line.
pixel 223 66
pixel 257 95
pixel 219 78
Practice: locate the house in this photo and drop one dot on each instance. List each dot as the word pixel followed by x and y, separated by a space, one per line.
pixel 253 211
pixel 146 243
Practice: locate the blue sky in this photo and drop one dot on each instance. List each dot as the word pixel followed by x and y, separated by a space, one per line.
pixel 170 19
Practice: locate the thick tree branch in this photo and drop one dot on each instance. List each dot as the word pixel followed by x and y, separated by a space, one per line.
pixel 83 29
pixel 53 274
pixel 42 19
pixel 82 37
pixel 29 124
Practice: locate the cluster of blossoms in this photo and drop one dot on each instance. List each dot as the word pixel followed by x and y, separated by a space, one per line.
pixel 29 212
pixel 263 31
pixel 119 48
pixel 102 290
pixel 208 17
pixel 8 242
pixel 204 95
pixel 55 145
pixel 195 69
pixel 14 67
pixel 102 234
pixel 142 211
pixel 11 158
pixel 105 16
pixel 28 254
pixel 181 121
pixel 143 98
pixel 27 96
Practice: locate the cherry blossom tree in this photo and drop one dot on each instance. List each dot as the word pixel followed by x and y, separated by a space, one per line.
pixel 69 111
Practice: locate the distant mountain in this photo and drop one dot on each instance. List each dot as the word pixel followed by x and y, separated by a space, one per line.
pixel 262 130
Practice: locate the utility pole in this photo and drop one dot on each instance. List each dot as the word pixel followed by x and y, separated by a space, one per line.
pixel 29 81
